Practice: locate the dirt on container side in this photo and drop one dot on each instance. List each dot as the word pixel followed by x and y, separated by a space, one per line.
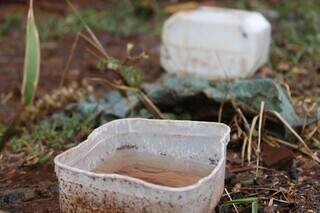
pixel 85 189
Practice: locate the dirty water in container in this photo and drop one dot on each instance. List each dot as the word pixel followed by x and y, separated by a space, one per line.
pixel 157 169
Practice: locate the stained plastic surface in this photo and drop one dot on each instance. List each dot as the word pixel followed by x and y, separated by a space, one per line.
pixel 215 43
pixel 84 191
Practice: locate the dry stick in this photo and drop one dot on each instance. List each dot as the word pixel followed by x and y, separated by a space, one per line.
pixel 93 53
pixel 234 206
pixel 144 98
pixel 259 137
pixel 92 43
pixel 72 50
pixel 296 135
pixel 149 104
pixel 270 142
pixel 220 112
pixel 114 85
pixel 254 121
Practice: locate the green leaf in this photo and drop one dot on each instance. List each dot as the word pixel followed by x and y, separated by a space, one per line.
pixel 113 63
pixel 252 200
pixel 254 207
pixel 242 201
pixel 109 63
pixel 132 75
pixel 31 61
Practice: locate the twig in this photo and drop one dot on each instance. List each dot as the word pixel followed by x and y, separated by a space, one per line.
pixel 87 39
pixel 93 53
pixel 259 137
pixel 277 140
pixel 254 121
pixel 72 50
pixel 234 206
pixel 150 105
pixel 248 168
pixel 314 157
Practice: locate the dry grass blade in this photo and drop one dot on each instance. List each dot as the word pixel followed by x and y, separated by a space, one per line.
pixel 113 85
pixel 220 112
pixel 254 121
pixel 32 60
pixel 234 206
pixel 259 137
pixel 149 104
pixel 87 28
pixel 72 50
pixel 314 157
pixel 94 44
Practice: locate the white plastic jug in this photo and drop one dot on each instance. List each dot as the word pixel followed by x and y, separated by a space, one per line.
pixel 215 43
pixel 82 190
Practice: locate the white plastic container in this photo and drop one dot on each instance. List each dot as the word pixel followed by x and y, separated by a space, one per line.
pixel 215 43
pixel 85 191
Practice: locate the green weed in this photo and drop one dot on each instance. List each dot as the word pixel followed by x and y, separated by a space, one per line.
pixel 118 19
pixel 31 69
pixel 300 26
pixel 39 142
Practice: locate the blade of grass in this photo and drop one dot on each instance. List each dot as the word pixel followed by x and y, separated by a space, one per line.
pixel 32 60
pixel 254 207
pixel 242 201
pixel 252 200
pixel 87 28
